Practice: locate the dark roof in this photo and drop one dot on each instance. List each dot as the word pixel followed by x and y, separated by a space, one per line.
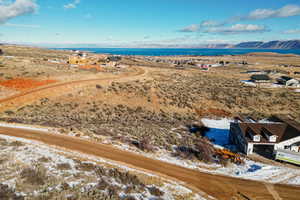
pixel 114 58
pixel 293 128
pixel 282 127
pixel 278 129
pixel 286 78
pixel 260 77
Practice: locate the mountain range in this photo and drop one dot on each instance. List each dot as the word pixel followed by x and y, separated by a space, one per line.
pixel 276 44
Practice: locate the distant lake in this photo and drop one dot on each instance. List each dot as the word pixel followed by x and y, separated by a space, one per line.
pixel 179 52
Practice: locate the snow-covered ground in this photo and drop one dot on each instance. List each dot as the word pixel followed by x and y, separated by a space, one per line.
pixel 219 124
pixel 268 173
pixel 250 83
pixel 31 152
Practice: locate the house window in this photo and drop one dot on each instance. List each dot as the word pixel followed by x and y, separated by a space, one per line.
pixel 287 147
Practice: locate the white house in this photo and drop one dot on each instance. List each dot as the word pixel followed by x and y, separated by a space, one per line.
pixel 288 81
pixel 266 138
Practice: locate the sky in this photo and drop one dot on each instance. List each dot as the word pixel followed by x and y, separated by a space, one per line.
pixel 147 23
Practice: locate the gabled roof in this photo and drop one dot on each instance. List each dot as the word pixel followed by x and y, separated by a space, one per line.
pixel 260 77
pixel 293 128
pixel 283 127
pixel 278 129
pixel 286 78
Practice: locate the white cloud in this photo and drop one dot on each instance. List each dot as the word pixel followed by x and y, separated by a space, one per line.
pixel 191 28
pixel 72 4
pixel 9 10
pixel 237 28
pixel 211 23
pixel 286 11
pixel 22 25
pixel 293 31
pixel 199 27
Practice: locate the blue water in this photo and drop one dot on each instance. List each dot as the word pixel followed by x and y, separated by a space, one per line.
pixel 218 136
pixel 177 52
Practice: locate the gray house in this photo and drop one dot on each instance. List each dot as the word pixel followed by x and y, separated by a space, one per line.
pixel 288 81
pixel 260 78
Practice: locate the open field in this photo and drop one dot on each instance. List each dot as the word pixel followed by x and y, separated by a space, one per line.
pixel 147 106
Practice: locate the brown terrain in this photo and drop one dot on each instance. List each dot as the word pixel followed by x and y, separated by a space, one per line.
pixel 219 187
pixel 148 102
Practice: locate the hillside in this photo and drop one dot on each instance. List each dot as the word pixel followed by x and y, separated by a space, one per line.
pixel 290 44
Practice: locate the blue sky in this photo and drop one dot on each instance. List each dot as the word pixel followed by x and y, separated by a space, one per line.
pixel 147 23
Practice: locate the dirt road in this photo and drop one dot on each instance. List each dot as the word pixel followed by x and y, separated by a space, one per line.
pixel 30 96
pixel 220 187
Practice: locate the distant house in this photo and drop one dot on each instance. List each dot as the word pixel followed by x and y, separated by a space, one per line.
pixel 1 52
pixel 281 136
pixel 114 58
pixel 260 78
pixel 288 81
pixel 253 72
pixel 84 59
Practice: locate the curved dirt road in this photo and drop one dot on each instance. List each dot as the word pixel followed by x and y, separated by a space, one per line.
pixel 220 187
pixel 46 91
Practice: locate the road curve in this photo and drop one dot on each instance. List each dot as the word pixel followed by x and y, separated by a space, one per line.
pixel 126 76
pixel 217 186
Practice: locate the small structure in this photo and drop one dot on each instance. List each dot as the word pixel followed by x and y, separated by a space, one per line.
pixel 82 59
pixel 252 72
pixel 1 52
pixel 288 81
pixel 114 58
pixel 266 138
pixel 260 78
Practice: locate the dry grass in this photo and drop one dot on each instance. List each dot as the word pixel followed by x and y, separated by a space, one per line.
pixel 44 176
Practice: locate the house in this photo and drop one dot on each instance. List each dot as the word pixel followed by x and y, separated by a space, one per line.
pixel 114 58
pixel 260 78
pixel 84 59
pixel 288 81
pixel 266 138
pixel 253 72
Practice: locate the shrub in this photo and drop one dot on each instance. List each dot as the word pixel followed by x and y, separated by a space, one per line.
pixel 98 86
pixel 16 144
pixel 33 176
pixel 145 145
pixel 186 153
pixel 155 191
pixel 44 159
pixel 63 166
pixel 113 191
pixel 102 185
pixel 85 166
pixel 7 193
pixel 100 171
pixel 129 198
pixel 65 186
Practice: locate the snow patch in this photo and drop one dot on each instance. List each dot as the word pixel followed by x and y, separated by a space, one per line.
pixel 217 123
